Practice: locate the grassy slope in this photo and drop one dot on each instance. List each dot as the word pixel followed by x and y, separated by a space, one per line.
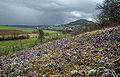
pixel 87 48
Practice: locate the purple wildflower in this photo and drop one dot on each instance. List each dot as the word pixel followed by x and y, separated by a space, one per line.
pixel 107 70
pixel 0 64
pixel 67 51
pixel 35 73
pixel 88 47
pixel 2 76
pixel 92 51
pixel 63 66
pixel 6 73
pixel 56 62
pixel 19 71
pixel 80 51
pixel 95 61
pixel 66 54
pixel 106 49
pixel 104 75
pixel 115 49
pixel 61 56
pixel 23 57
pixel 76 48
pixel 59 68
pixel 68 59
pixel 30 75
pixel 101 62
pixel 92 48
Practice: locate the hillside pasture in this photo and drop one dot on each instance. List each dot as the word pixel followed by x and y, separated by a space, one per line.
pixel 89 54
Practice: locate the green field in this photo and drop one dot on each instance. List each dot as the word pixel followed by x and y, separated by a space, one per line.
pixel 27 29
pixel 13 45
pixel 16 28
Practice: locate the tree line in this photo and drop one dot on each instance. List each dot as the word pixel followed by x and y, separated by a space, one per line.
pixel 13 36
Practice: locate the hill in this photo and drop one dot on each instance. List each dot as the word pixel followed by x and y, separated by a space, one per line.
pixel 81 22
pixel 93 53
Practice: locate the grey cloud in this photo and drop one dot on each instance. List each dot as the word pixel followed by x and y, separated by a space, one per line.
pixel 45 11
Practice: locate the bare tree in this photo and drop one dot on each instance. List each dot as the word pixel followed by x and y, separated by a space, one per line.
pixel 109 12
pixel 41 34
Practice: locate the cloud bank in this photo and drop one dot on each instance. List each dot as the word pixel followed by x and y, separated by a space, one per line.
pixel 35 12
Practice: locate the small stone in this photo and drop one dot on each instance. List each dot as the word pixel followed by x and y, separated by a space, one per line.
pixel 92 72
pixel 74 72
pixel 85 53
pixel 75 52
pixel 88 68
pixel 101 50
pixel 44 75
pixel 40 74
pixel 51 76
pixel 82 73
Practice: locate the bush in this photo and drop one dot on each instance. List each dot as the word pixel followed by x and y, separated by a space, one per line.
pixel 14 37
pixel 47 34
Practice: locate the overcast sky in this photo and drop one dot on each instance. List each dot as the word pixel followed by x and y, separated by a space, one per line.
pixel 35 12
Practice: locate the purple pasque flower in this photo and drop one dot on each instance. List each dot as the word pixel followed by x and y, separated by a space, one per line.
pixel 115 49
pixel 31 75
pixel 23 57
pixel 77 48
pixel 106 49
pixel 80 50
pixel 19 71
pixel 2 76
pixel 88 47
pixel 26 69
pixel 66 54
pixel 101 61
pixel 95 61
pixel 68 59
pixel 107 75
pixel 107 71
pixel 92 48
pixel 59 68
pixel 35 73
pixel 92 51
pixel 1 64
pixel 7 73
pixel 63 66
pixel 103 75
pixel 56 62
pixel 67 51
pixel 61 56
